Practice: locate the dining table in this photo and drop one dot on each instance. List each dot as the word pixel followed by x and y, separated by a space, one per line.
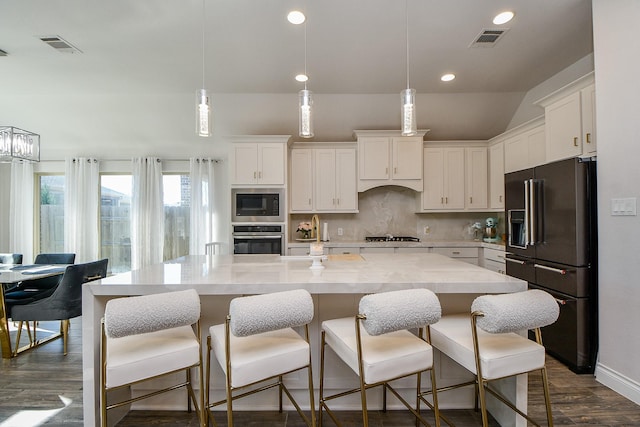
pixel 11 275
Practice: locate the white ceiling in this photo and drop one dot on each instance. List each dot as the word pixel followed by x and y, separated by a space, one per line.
pixel 134 82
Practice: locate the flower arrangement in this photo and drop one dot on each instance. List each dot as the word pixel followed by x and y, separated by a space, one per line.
pixel 305 228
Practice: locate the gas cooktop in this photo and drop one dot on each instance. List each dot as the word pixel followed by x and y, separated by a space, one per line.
pixel 391 239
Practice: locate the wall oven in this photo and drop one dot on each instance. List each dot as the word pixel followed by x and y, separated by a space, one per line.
pixel 258 239
pixel 257 205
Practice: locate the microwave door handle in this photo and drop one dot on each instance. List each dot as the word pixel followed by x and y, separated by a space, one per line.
pixel 527 212
pixel 257 237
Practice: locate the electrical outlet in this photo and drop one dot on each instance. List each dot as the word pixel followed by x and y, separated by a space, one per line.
pixel 427 229
pixel 340 231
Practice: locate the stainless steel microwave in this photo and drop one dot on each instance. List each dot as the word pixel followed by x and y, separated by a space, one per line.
pixel 257 205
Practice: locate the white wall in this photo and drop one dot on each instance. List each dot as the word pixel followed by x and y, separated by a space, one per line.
pixel 617 66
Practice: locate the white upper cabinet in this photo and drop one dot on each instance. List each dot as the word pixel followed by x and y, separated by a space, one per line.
pixel 444 179
pixel 301 177
pixel 385 158
pixel 477 196
pixel 570 120
pixel 323 180
pixel 524 146
pixel 256 160
pixel 496 176
pixel 335 180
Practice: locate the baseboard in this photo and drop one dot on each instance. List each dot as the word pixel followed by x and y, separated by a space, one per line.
pixel 618 383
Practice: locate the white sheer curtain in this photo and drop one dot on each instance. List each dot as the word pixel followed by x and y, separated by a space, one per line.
pixel 81 208
pixel 21 210
pixel 203 229
pixel 147 213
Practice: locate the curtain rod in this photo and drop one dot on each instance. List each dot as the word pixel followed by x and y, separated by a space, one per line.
pixel 126 160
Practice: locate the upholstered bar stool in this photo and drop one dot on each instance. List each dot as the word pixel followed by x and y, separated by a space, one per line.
pixel 486 342
pixel 149 336
pixel 377 346
pixel 257 344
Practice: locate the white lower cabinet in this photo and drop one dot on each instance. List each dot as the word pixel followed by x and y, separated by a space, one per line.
pixel 371 250
pixel 494 260
pixel 344 250
pixel 468 255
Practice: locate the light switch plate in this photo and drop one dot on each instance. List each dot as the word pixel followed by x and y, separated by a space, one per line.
pixel 623 207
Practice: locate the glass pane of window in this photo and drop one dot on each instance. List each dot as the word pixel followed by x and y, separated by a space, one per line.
pixel 51 213
pixel 177 207
pixel 115 221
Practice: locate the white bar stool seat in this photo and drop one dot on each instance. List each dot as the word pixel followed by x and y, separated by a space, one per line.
pixel 260 356
pixel 391 355
pixel 501 355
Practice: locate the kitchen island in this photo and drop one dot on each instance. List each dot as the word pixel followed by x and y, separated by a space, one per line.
pixel 336 290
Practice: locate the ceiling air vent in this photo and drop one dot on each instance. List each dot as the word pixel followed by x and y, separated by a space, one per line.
pixel 59 44
pixel 488 38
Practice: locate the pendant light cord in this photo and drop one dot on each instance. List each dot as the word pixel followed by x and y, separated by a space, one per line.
pixel 406 4
pixel 305 53
pixel 203 22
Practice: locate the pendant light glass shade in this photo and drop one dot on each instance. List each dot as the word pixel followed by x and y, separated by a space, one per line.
pixel 305 114
pixel 408 111
pixel 203 113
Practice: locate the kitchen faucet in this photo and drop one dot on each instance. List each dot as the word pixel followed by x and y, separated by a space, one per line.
pixel 315 227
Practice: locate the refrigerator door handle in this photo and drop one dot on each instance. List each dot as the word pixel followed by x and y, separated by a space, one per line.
pixel 532 212
pixel 527 212
pixel 555 270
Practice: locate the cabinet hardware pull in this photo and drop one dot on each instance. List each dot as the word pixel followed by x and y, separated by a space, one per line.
pixel 561 271
pixel 338 201
pixel 575 141
pixel 260 174
pixel 386 171
pixel 446 200
pixel 441 200
pixel 255 174
pixel 500 198
pixel 395 170
pixel 456 252
pixel 588 138
pixel 471 200
pixel 516 261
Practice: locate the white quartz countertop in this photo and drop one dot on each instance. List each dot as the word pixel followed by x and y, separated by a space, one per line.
pixel 365 273
pixel 421 244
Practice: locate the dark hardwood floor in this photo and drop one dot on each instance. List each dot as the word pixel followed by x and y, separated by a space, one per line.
pixel 43 387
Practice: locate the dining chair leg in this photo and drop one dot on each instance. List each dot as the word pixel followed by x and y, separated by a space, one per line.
pixel 64 329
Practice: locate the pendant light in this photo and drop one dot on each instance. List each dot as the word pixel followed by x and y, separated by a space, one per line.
pixel 408 96
pixel 305 100
pixel 203 107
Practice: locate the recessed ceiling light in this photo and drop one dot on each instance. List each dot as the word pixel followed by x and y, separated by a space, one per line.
pixel 503 18
pixel 296 17
pixel 447 77
pixel 302 77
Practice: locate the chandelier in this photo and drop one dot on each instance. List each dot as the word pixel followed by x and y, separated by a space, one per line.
pixel 18 144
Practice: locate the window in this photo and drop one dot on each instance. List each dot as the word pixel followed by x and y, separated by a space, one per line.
pixel 177 209
pixel 115 221
pixel 51 213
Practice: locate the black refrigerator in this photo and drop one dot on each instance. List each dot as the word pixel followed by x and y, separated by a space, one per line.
pixel 552 244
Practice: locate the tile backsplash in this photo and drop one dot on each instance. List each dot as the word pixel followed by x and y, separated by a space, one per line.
pixel 392 210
